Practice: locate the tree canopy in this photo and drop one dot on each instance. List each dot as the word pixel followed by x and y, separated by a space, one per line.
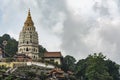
pixel 68 63
pixel 96 67
pixel 11 46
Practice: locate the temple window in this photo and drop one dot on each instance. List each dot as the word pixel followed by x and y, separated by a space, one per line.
pixel 27 49
pixel 27 42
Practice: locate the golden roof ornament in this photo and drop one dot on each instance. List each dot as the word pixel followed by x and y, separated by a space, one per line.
pixel 29 21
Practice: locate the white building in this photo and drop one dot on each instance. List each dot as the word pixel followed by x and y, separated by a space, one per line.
pixel 28 43
pixel 28 39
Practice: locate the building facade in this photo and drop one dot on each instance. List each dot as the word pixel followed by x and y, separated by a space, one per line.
pixel 55 57
pixel 28 39
pixel 28 44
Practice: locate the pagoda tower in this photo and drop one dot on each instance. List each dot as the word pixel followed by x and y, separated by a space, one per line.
pixel 28 39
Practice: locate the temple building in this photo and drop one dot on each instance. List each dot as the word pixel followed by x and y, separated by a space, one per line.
pixel 53 57
pixel 28 39
pixel 28 46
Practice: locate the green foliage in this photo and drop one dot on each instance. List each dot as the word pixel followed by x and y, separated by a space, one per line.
pixel 10 77
pixel 68 63
pixel 43 76
pixel 113 69
pixel 11 47
pixel 81 69
pixel 6 37
pixel 72 77
pixel 30 74
pixel 96 67
pixel 9 59
pixel 42 50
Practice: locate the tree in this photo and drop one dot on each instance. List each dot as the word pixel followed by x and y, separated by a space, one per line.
pixel 68 63
pixel 96 69
pixel 113 69
pixel 6 37
pixel 43 76
pixel 30 74
pixel 10 77
pixel 80 69
pixel 11 47
pixel 12 44
pixel 42 50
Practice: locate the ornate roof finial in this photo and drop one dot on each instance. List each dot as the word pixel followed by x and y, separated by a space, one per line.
pixel 29 13
pixel 29 21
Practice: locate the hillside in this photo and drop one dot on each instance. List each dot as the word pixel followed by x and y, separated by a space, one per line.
pixel 12 44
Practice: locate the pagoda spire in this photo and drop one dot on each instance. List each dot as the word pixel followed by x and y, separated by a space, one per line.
pixel 29 15
pixel 29 21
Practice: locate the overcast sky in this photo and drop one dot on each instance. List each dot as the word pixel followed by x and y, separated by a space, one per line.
pixel 74 27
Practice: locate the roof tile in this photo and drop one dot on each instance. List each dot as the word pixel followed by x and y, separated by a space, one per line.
pixel 53 54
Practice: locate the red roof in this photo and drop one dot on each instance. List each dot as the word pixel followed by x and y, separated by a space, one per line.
pixel 53 54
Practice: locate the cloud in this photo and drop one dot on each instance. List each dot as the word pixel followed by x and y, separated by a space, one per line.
pixel 92 32
pixel 75 27
pixel 48 18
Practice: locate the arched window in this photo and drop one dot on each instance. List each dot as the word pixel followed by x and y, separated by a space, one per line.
pixel 27 49
pixel 27 42
pixel 34 57
pixel 27 24
pixel 30 36
pixel 36 50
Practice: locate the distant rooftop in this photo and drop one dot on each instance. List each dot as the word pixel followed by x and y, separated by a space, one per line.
pixel 53 54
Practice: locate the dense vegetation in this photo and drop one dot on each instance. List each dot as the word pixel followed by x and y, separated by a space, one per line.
pixel 11 47
pixel 94 67
pixel 42 50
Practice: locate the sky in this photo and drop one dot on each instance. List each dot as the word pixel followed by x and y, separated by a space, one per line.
pixel 74 27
